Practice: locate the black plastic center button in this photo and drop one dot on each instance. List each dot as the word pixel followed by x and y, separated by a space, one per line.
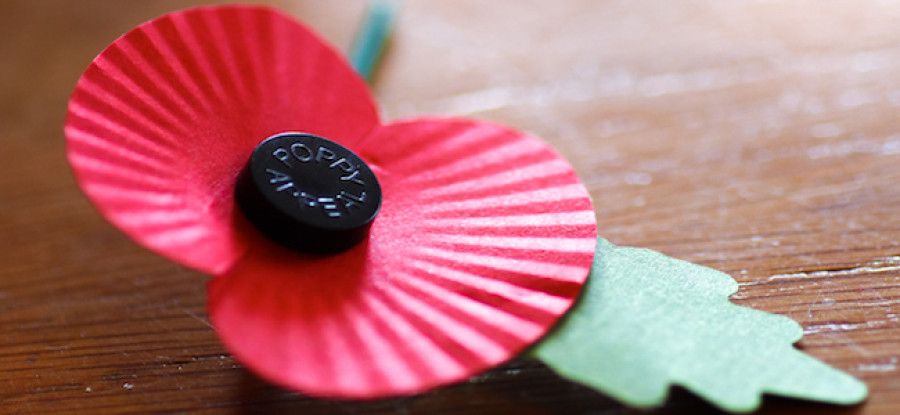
pixel 308 193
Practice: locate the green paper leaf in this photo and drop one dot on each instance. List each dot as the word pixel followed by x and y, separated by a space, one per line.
pixel 646 321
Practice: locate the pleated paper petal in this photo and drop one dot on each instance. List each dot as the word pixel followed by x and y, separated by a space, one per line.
pixel 162 121
pixel 484 239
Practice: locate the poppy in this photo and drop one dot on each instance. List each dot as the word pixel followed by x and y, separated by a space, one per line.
pixel 483 240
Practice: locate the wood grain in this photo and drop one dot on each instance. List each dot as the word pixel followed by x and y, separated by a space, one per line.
pixel 758 138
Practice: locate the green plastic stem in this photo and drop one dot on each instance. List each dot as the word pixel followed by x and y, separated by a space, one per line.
pixel 372 36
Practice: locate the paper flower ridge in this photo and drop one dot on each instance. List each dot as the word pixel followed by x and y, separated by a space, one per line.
pixel 484 238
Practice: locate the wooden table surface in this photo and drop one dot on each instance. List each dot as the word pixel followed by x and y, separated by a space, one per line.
pixel 759 138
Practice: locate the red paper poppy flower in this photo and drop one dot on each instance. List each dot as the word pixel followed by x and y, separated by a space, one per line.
pixel 484 237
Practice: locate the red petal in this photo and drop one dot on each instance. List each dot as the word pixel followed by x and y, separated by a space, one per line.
pixel 162 121
pixel 484 239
